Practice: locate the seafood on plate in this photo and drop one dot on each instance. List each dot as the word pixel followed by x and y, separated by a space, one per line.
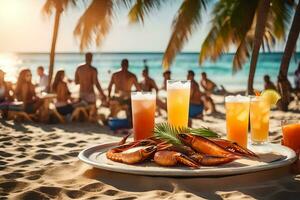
pixel 192 151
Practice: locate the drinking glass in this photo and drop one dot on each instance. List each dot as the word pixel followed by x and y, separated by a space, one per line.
pixel 259 120
pixel 143 114
pixel 291 134
pixel 178 100
pixel 237 118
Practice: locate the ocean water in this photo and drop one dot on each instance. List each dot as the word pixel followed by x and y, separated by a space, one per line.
pixel 106 63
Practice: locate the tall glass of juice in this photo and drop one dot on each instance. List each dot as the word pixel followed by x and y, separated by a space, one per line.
pixel 291 134
pixel 143 114
pixel 259 120
pixel 237 119
pixel 178 100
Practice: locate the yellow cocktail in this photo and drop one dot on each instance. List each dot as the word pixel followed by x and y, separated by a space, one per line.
pixel 259 120
pixel 237 119
pixel 178 99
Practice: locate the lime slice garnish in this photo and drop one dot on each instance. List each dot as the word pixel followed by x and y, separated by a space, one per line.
pixel 271 96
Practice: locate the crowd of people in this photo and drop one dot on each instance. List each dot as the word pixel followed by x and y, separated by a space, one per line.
pixel 117 97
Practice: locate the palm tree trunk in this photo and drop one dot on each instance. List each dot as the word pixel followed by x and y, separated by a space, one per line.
pixel 261 19
pixel 53 45
pixel 286 58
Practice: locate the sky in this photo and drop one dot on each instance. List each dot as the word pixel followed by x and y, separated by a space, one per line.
pixel 24 29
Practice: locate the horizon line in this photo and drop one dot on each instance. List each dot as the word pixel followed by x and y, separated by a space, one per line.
pixel 124 52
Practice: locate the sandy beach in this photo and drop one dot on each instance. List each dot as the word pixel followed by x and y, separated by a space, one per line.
pixel 39 161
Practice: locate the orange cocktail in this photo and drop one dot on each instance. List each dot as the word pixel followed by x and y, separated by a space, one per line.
pixel 237 119
pixel 259 120
pixel 291 135
pixel 143 114
pixel 178 100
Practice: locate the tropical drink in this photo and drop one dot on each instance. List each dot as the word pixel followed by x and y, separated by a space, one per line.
pixel 143 114
pixel 291 134
pixel 237 119
pixel 178 100
pixel 260 114
pixel 259 120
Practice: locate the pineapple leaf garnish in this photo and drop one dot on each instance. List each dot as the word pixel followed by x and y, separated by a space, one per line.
pixel 167 132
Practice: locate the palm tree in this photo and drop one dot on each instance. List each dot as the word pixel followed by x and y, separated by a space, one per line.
pixel 58 6
pixel 247 25
pixel 285 61
pixel 261 20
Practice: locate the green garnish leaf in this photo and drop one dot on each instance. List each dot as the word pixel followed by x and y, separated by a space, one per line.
pixel 167 132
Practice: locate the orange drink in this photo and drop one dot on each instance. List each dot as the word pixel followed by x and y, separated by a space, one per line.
pixel 291 134
pixel 259 120
pixel 237 119
pixel 178 100
pixel 143 114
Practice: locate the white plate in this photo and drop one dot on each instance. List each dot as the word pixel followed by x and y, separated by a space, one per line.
pixel 273 155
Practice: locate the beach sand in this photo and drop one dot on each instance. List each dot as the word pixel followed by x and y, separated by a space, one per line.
pixel 39 161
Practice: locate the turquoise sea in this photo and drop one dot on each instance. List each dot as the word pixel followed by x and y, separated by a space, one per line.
pixel 106 63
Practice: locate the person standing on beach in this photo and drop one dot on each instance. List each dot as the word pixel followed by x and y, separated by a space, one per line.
pixel 148 84
pixel 43 78
pixel 86 76
pixel 123 80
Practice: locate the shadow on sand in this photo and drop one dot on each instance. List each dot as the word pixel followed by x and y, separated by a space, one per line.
pixel 273 184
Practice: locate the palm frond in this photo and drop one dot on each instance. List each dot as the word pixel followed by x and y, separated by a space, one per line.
pixel 185 22
pixel 204 132
pixel 142 8
pixel 51 6
pixel 95 23
pixel 167 132
pixel 231 25
pixel 234 24
pixel 279 17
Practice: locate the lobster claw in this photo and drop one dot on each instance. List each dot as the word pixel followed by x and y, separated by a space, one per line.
pixel 234 148
pixel 172 158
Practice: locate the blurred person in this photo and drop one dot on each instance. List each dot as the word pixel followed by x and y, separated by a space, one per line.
pixel 25 92
pixel 86 76
pixel 5 94
pixel 123 81
pixel 43 78
pixel 146 67
pixel 208 85
pixel 148 84
pixel 196 103
pixel 5 89
pixel 166 76
pixel 268 83
pixel 60 88
pixel 199 100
